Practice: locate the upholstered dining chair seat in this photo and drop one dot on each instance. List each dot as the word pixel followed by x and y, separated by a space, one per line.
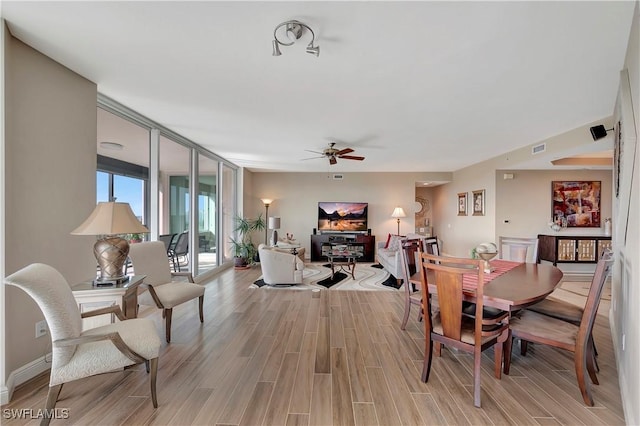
pixel 89 359
pixel 467 334
pixel 172 295
pixel 558 309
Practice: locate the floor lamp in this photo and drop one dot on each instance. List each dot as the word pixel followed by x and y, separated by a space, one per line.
pixel 398 213
pixel 266 202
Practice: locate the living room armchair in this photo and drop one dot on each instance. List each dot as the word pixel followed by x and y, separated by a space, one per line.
pixel 77 354
pixel 280 268
pixel 150 259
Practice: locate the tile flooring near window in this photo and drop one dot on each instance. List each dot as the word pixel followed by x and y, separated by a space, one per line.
pixel 282 356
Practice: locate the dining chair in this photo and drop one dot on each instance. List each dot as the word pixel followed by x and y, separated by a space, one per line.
pixel 77 354
pixel 180 249
pixel 530 326
pixel 518 249
pixel 449 327
pixel 412 296
pixel 169 241
pixel 150 259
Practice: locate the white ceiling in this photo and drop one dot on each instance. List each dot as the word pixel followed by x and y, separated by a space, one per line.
pixel 412 86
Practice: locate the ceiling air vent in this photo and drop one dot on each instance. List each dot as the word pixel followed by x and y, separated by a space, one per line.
pixel 338 177
pixel 539 148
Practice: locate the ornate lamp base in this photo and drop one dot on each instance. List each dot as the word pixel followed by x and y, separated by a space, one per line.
pixel 111 253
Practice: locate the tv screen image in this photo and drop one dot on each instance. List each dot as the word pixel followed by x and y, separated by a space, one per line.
pixel 342 216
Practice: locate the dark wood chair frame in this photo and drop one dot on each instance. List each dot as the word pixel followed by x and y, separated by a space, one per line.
pixel 539 328
pixel 446 274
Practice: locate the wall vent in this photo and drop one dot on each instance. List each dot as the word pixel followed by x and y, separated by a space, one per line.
pixel 539 148
pixel 338 177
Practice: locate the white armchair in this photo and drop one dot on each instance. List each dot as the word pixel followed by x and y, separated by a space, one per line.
pixel 78 354
pixel 280 268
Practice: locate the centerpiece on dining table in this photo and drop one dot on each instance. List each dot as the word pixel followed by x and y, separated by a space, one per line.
pixel 487 251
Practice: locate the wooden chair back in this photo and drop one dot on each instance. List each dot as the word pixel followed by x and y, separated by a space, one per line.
pixel 449 326
pixel 518 249
pixel 603 269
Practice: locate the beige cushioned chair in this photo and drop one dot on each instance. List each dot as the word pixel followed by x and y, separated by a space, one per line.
pixel 280 268
pixel 150 259
pixel 78 354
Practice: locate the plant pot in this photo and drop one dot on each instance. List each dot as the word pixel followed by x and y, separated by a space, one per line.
pixel 240 262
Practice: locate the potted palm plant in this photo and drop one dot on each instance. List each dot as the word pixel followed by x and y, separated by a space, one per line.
pixel 243 248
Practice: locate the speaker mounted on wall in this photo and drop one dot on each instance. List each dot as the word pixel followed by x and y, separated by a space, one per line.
pixel 598 132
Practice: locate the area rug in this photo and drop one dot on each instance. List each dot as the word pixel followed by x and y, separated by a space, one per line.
pixel 317 276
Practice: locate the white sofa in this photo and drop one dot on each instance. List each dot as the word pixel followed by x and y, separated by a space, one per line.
pixel 389 257
pixel 280 268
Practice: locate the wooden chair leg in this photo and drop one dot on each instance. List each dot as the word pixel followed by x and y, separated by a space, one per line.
pixel 591 365
pixel 524 345
pixel 584 386
pixel 438 348
pixel 152 381
pixel 498 350
pixel 477 369
pixel 407 311
pixel 52 398
pixel 428 355
pixel 167 320
pixel 201 306
pixel 507 354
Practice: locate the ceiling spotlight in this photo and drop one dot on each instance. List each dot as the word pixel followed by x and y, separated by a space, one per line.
pixel 293 31
pixel 599 132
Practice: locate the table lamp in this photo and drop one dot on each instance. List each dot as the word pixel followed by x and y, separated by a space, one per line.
pixel 274 223
pixel 108 220
pixel 398 213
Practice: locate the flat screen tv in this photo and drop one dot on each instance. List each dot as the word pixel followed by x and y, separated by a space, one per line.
pixel 342 216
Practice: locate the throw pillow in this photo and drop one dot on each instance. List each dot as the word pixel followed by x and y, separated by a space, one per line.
pixel 394 243
pixel 386 245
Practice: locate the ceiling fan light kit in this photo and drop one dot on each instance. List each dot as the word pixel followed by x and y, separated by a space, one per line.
pixel 293 31
pixel 333 154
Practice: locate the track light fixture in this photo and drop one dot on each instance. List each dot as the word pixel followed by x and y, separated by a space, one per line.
pixel 293 31
pixel 599 132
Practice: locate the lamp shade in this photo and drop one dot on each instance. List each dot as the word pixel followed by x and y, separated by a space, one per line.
pixel 274 222
pixel 266 201
pixel 398 212
pixel 109 218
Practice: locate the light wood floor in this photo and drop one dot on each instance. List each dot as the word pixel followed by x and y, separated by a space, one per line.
pixel 278 356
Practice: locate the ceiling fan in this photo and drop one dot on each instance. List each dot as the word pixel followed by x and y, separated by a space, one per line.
pixel 333 154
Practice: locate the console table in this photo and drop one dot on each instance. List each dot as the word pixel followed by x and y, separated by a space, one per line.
pixel 572 248
pixel 318 240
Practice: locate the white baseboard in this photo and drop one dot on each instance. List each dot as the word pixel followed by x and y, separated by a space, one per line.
pixel 24 374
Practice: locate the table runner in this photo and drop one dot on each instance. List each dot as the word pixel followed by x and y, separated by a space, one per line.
pixel 470 281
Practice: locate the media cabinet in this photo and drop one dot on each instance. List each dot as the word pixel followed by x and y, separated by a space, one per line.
pixel 317 240
pixel 572 248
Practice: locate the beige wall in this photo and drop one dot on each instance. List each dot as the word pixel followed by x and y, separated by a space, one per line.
pixel 525 200
pixel 625 287
pixel 50 164
pixel 296 197
pixel 460 234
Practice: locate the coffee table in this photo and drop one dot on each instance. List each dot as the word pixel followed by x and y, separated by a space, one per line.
pixel 343 258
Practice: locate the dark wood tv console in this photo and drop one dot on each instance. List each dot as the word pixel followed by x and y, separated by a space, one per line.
pixel 369 242
pixel 572 248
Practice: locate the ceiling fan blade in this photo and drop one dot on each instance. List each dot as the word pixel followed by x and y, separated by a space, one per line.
pixel 351 157
pixel 344 151
pixel 332 160
pixel 311 158
pixel 315 152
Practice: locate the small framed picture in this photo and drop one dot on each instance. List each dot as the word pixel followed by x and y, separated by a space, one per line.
pixel 462 203
pixel 478 202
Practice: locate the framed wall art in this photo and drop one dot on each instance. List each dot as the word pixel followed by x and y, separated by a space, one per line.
pixel 577 202
pixel 478 202
pixel 462 203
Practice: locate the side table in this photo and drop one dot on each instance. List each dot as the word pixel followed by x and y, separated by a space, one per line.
pixel 90 297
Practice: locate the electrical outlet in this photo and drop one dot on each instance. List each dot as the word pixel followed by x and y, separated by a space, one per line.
pixel 41 328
